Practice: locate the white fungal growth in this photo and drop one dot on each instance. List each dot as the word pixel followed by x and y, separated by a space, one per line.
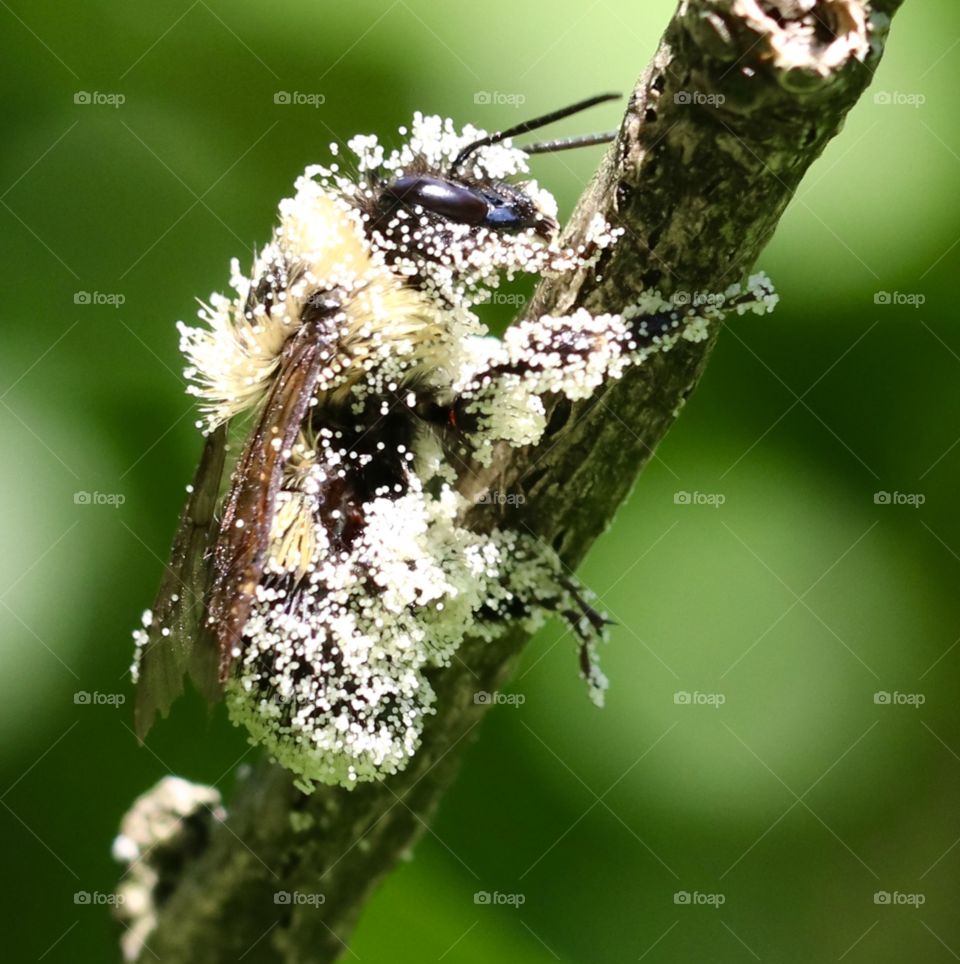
pixel 140 640
pixel 369 581
pixel 573 355
pixel 331 678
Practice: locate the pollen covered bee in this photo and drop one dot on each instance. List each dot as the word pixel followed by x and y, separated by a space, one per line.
pixel 335 571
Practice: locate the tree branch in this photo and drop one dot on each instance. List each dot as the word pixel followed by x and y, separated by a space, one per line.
pixel 741 97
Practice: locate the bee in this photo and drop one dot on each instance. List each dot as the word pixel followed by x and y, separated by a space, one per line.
pixel 335 572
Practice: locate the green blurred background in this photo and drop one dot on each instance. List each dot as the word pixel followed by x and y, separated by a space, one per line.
pixel 797 599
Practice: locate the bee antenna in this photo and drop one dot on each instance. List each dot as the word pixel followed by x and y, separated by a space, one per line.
pixel 569 143
pixel 530 125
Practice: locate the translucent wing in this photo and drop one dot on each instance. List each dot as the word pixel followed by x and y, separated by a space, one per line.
pixel 249 506
pixel 177 639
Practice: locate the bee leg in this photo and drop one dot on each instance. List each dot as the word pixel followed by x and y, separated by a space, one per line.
pixel 590 628
pixel 501 398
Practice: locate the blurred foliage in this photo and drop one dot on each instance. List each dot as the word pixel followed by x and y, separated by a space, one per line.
pixel 796 599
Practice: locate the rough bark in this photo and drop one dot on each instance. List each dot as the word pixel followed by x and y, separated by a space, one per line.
pixel 741 97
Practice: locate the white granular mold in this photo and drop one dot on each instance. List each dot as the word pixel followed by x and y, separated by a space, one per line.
pixel 369 582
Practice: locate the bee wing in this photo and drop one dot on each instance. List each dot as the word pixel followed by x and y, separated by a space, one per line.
pixel 249 506
pixel 177 639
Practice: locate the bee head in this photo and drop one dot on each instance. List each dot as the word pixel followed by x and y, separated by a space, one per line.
pixel 456 194
pixel 497 205
pixel 450 212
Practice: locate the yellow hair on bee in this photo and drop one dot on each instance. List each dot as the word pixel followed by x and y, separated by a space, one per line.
pixel 293 537
pixel 384 317
pixel 318 247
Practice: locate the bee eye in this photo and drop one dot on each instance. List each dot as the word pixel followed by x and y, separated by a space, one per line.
pixel 436 195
